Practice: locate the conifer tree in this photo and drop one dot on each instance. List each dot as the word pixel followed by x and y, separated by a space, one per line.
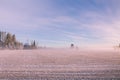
pixel 8 40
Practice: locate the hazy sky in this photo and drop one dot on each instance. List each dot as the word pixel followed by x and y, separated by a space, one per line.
pixel 61 22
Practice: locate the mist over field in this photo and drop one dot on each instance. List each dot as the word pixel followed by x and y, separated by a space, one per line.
pixel 42 64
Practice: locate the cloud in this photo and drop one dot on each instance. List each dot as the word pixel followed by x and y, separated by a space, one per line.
pixel 21 13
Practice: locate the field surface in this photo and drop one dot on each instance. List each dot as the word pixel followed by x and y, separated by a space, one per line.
pixel 59 64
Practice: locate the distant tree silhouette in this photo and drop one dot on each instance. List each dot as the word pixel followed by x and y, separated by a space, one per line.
pixel 33 44
pixel 72 45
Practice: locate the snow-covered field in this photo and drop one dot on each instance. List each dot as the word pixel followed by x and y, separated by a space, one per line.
pixel 59 64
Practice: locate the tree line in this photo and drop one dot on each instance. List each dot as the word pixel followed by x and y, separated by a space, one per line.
pixel 9 41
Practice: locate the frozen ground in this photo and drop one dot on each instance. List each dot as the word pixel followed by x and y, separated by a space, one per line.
pixel 59 64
